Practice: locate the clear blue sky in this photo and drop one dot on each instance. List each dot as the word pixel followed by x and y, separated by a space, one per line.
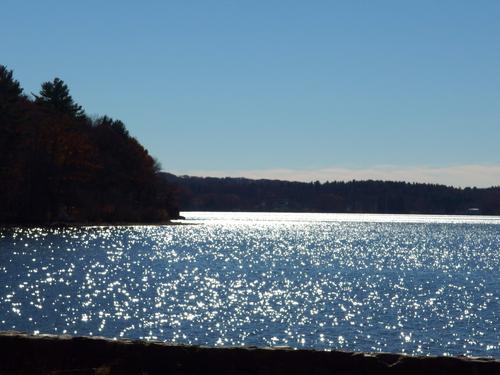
pixel 249 87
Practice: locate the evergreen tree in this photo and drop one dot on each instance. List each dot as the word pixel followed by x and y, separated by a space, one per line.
pixel 10 89
pixel 56 95
pixel 10 111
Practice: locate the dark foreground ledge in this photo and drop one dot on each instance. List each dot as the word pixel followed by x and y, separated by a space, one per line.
pixel 46 354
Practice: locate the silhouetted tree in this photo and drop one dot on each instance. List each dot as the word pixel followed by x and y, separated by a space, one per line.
pixel 56 95
pixel 10 89
pixel 10 114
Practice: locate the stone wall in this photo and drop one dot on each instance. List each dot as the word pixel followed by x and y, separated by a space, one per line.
pixel 47 354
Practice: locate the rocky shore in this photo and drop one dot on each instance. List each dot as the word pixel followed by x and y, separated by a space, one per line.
pixel 47 354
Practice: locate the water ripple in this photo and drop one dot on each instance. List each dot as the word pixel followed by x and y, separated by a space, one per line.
pixel 399 283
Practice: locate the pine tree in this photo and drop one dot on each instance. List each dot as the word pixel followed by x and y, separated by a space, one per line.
pixel 10 89
pixel 56 95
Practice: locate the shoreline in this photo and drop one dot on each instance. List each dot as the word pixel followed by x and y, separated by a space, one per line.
pixel 23 353
pixel 93 225
pixel 180 220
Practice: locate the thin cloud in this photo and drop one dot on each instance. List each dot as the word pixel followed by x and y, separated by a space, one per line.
pixel 459 175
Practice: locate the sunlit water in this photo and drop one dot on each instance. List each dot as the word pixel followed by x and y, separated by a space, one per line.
pixel 393 283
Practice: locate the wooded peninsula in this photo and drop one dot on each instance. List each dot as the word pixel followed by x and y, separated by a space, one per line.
pixel 59 165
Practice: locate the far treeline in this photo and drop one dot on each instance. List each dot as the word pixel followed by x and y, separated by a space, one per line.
pixel 59 165
pixel 241 194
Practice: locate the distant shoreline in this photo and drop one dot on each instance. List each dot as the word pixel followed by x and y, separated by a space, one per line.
pixel 180 221
pixel 91 225
pixel 368 196
pixel 346 213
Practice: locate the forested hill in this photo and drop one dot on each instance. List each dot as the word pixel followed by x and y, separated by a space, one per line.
pixel 59 165
pixel 241 194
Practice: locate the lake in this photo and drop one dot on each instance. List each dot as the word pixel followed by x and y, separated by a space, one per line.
pixel 394 283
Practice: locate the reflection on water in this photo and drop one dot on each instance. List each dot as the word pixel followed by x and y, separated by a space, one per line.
pixel 398 283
